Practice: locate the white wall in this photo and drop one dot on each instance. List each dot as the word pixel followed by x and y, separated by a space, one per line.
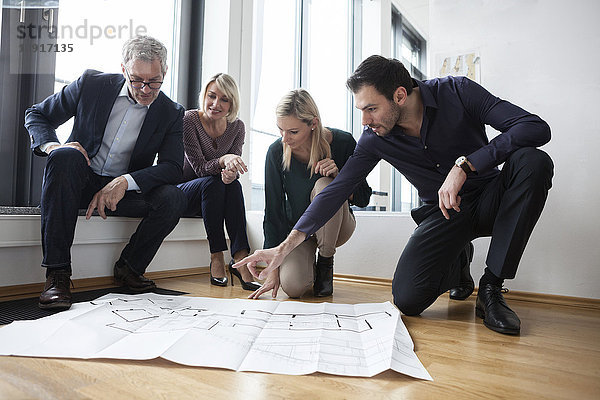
pixel 97 245
pixel 373 250
pixel 543 56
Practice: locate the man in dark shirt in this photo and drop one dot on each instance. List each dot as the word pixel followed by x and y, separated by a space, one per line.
pixel 433 132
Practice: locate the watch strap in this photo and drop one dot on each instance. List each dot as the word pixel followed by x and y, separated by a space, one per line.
pixel 465 167
pixel 463 163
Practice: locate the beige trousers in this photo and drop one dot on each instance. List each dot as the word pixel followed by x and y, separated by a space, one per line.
pixel 296 271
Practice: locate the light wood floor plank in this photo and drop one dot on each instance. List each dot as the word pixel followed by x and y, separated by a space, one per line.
pixel 557 356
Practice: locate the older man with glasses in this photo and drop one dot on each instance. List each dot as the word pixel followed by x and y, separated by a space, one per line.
pixel 122 122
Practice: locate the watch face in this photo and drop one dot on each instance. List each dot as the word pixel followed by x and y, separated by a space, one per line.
pixel 460 160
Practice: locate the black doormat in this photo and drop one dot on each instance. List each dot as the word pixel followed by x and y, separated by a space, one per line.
pixel 23 309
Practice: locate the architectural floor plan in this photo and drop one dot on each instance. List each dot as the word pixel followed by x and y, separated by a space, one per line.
pixel 243 335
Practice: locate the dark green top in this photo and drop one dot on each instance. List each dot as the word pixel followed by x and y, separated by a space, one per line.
pixel 287 193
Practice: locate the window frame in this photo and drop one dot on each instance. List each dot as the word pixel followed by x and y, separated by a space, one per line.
pixel 403 31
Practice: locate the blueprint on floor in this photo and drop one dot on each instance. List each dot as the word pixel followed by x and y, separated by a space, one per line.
pixel 244 335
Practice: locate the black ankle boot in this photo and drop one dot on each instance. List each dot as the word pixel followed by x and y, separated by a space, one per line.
pixel 466 284
pixel 496 314
pixel 323 285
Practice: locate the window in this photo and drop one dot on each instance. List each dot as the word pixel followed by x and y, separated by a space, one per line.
pixel 47 44
pixel 22 80
pixel 274 72
pixel 290 51
pixel 409 47
pixel 326 59
pixel 96 33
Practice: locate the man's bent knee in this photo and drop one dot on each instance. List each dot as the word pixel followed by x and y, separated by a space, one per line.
pixel 537 160
pixel 408 306
pixel 66 158
pixel 172 200
pixel 411 300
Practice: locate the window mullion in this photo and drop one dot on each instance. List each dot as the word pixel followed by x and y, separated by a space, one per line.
pixel 301 65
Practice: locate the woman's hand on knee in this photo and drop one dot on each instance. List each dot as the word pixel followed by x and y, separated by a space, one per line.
pixel 233 162
pixel 271 283
pixel 326 167
pixel 228 176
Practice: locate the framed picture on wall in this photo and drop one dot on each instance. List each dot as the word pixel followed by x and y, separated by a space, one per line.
pixel 465 64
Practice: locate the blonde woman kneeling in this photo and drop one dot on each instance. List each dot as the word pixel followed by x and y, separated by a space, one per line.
pixel 298 166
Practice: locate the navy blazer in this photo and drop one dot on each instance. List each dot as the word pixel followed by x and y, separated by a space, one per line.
pixel 90 100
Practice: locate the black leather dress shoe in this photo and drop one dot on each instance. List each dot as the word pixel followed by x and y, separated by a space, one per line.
pixel 466 285
pixel 323 285
pixel 132 280
pixel 496 314
pixel 57 291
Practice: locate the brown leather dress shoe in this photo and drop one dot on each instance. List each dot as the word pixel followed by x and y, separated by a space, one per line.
pixel 132 280
pixel 57 291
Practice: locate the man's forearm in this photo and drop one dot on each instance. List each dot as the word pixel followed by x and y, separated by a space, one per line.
pixel 294 239
pixel 275 256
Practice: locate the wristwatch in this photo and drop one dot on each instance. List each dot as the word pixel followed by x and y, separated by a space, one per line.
pixel 462 162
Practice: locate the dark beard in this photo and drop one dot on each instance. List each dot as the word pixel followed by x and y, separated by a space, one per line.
pixel 390 120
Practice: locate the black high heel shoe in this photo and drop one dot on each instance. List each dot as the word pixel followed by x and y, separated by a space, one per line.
pixel 245 285
pixel 218 281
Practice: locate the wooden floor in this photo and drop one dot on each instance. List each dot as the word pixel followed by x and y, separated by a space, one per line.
pixel 557 355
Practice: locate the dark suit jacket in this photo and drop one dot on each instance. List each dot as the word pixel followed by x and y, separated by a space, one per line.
pixel 90 99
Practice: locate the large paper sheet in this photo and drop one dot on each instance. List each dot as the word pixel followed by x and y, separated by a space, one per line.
pixel 243 335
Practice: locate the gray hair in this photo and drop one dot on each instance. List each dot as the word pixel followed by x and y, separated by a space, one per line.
pixel 145 48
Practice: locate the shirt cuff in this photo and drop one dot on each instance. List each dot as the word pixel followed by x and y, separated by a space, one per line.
pixel 482 159
pixel 131 185
pixel 44 146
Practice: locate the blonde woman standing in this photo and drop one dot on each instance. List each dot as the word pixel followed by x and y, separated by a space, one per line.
pixel 298 166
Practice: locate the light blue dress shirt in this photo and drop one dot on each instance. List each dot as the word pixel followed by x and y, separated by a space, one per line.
pixel 120 135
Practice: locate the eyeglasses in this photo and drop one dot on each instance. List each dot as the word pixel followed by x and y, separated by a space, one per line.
pixel 154 85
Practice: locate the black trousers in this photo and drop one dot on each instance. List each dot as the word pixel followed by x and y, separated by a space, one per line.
pixel 506 208
pixel 69 184
pixel 216 202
